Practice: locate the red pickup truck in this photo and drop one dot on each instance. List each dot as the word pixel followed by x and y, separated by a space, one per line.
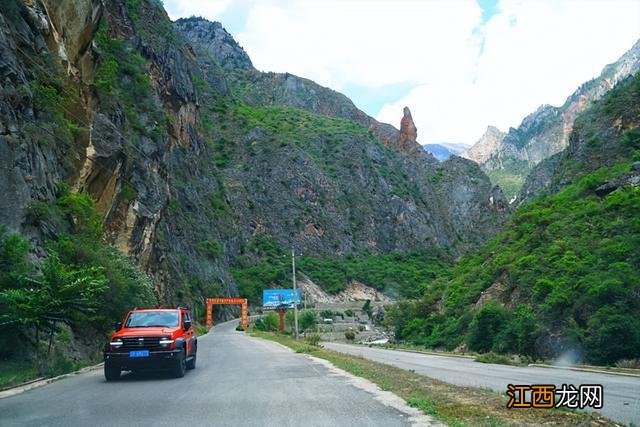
pixel 152 339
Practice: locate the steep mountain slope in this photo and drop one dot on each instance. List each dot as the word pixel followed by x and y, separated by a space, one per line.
pixel 192 155
pixel 563 276
pixel 546 131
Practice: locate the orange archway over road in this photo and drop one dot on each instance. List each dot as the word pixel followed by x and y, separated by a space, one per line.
pixel 241 301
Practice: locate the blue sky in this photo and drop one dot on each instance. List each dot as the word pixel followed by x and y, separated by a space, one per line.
pixel 459 65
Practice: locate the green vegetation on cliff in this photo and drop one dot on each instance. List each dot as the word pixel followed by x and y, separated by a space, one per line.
pixel 566 266
pixel 564 273
pixel 82 284
pixel 265 266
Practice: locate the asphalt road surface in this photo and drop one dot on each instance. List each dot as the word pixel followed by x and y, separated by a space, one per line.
pixel 238 381
pixel 621 393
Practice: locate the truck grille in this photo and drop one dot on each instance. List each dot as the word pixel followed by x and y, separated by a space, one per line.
pixel 141 343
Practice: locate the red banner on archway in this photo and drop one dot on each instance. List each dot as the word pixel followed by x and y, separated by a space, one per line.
pixel 235 301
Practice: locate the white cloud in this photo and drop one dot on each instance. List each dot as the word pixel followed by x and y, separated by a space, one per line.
pixel 210 9
pixel 466 77
pixel 535 52
pixel 367 43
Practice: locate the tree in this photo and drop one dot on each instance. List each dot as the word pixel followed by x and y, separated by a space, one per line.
pixel 489 321
pixel 60 294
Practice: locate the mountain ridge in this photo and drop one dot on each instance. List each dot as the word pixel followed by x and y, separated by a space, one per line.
pixel 546 131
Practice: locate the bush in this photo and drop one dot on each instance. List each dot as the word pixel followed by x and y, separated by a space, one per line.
pixel 326 314
pixel 312 339
pixel 350 335
pixel 486 326
pixel 83 281
pixel 268 323
pixel 628 363
pixel 609 322
pixel 494 358
pixel 307 320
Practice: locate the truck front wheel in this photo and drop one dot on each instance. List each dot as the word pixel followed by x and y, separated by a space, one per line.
pixel 181 366
pixel 111 373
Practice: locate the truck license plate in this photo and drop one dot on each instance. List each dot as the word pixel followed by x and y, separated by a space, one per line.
pixel 139 353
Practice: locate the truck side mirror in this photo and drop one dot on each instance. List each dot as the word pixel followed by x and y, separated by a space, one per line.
pixel 118 326
pixel 186 325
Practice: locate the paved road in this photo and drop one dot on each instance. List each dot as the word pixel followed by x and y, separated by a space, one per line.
pixel 239 381
pixel 621 393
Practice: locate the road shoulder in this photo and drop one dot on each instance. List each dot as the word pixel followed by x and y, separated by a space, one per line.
pixel 447 403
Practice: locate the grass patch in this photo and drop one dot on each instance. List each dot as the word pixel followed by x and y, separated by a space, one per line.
pixel 501 359
pixel 452 404
pixel 200 329
pixel 14 372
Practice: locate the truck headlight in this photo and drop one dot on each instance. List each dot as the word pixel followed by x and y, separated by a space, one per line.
pixel 165 342
pixel 116 344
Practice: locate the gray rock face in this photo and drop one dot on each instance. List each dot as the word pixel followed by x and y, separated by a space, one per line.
pixel 32 161
pixel 488 144
pixel 213 39
pixel 605 189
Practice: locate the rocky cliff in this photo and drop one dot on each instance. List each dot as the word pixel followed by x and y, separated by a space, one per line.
pixel 192 154
pixel 546 131
pixel 488 143
pixel 603 135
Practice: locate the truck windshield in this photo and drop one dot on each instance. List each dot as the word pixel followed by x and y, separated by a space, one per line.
pixel 147 319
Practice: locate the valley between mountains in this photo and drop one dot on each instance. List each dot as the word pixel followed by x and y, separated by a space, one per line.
pixel 147 162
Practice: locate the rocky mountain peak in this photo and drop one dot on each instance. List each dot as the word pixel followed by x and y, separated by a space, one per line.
pixel 487 144
pixel 408 129
pixel 212 38
pixel 407 139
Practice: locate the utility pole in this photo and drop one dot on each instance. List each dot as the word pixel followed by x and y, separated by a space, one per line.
pixel 295 293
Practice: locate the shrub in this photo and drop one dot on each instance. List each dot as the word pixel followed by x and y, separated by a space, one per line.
pixel 268 323
pixel 611 322
pixel 307 319
pixel 628 363
pixel 350 335
pixel 485 327
pixel 492 357
pixel 211 248
pixel 326 314
pixel 312 339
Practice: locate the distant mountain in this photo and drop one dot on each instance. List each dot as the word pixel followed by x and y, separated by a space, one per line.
pixel 546 131
pixel 443 151
pixel 488 143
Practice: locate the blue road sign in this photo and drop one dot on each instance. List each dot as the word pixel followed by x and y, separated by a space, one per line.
pixel 279 298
